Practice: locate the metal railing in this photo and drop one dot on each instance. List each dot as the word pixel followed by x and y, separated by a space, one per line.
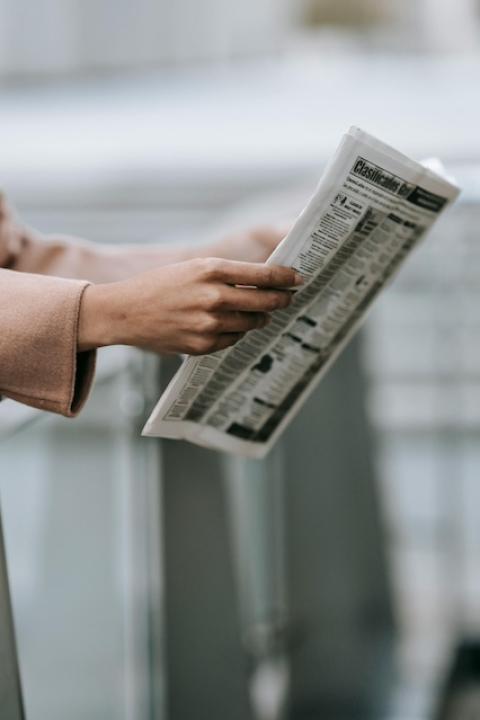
pixel 11 698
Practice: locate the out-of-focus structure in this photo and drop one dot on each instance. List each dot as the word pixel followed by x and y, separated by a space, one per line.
pixel 58 37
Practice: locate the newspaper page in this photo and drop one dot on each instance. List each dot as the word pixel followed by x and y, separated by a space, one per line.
pixel 372 207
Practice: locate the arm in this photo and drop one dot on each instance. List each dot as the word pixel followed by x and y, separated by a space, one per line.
pixel 50 327
pixel 69 257
pixel 39 360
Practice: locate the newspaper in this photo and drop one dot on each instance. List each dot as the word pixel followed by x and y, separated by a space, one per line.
pixel 372 207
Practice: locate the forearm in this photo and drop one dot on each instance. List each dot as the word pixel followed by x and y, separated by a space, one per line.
pixel 39 362
pixel 112 263
pixel 75 258
pixel 254 245
pixel 26 250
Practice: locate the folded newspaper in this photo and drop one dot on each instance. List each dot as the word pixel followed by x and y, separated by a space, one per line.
pixel 372 207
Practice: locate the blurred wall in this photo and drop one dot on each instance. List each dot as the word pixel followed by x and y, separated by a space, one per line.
pixel 50 36
pixel 428 25
pixel 71 36
pixel 347 12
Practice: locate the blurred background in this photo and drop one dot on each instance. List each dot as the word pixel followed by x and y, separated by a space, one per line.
pixel 336 579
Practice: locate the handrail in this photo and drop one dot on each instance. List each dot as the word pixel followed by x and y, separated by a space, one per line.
pixel 15 417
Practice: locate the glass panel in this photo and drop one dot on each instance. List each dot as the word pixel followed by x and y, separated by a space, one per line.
pixel 75 496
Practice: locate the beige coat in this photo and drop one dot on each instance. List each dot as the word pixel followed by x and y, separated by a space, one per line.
pixel 39 362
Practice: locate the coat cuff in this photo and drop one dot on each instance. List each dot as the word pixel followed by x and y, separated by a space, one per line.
pixel 39 361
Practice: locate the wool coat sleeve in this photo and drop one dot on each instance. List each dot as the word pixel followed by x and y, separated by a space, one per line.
pixel 39 315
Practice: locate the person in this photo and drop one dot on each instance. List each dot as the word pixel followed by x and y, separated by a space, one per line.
pixel 61 299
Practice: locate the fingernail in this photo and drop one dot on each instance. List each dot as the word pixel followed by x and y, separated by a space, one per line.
pixel 299 280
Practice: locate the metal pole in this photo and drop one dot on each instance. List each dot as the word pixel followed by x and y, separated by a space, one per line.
pixel 11 701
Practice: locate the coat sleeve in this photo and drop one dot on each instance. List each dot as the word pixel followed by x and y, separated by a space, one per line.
pixel 39 315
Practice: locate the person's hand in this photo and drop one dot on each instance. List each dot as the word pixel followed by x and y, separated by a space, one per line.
pixel 196 307
pixel 255 245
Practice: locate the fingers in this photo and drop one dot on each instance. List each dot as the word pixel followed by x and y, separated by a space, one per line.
pixel 222 330
pixel 227 340
pixel 240 322
pixel 206 344
pixel 253 274
pixel 252 300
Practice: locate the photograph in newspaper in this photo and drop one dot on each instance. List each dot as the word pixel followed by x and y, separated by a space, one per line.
pixel 372 207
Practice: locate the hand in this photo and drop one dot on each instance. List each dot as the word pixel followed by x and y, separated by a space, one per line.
pixel 254 245
pixel 194 307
